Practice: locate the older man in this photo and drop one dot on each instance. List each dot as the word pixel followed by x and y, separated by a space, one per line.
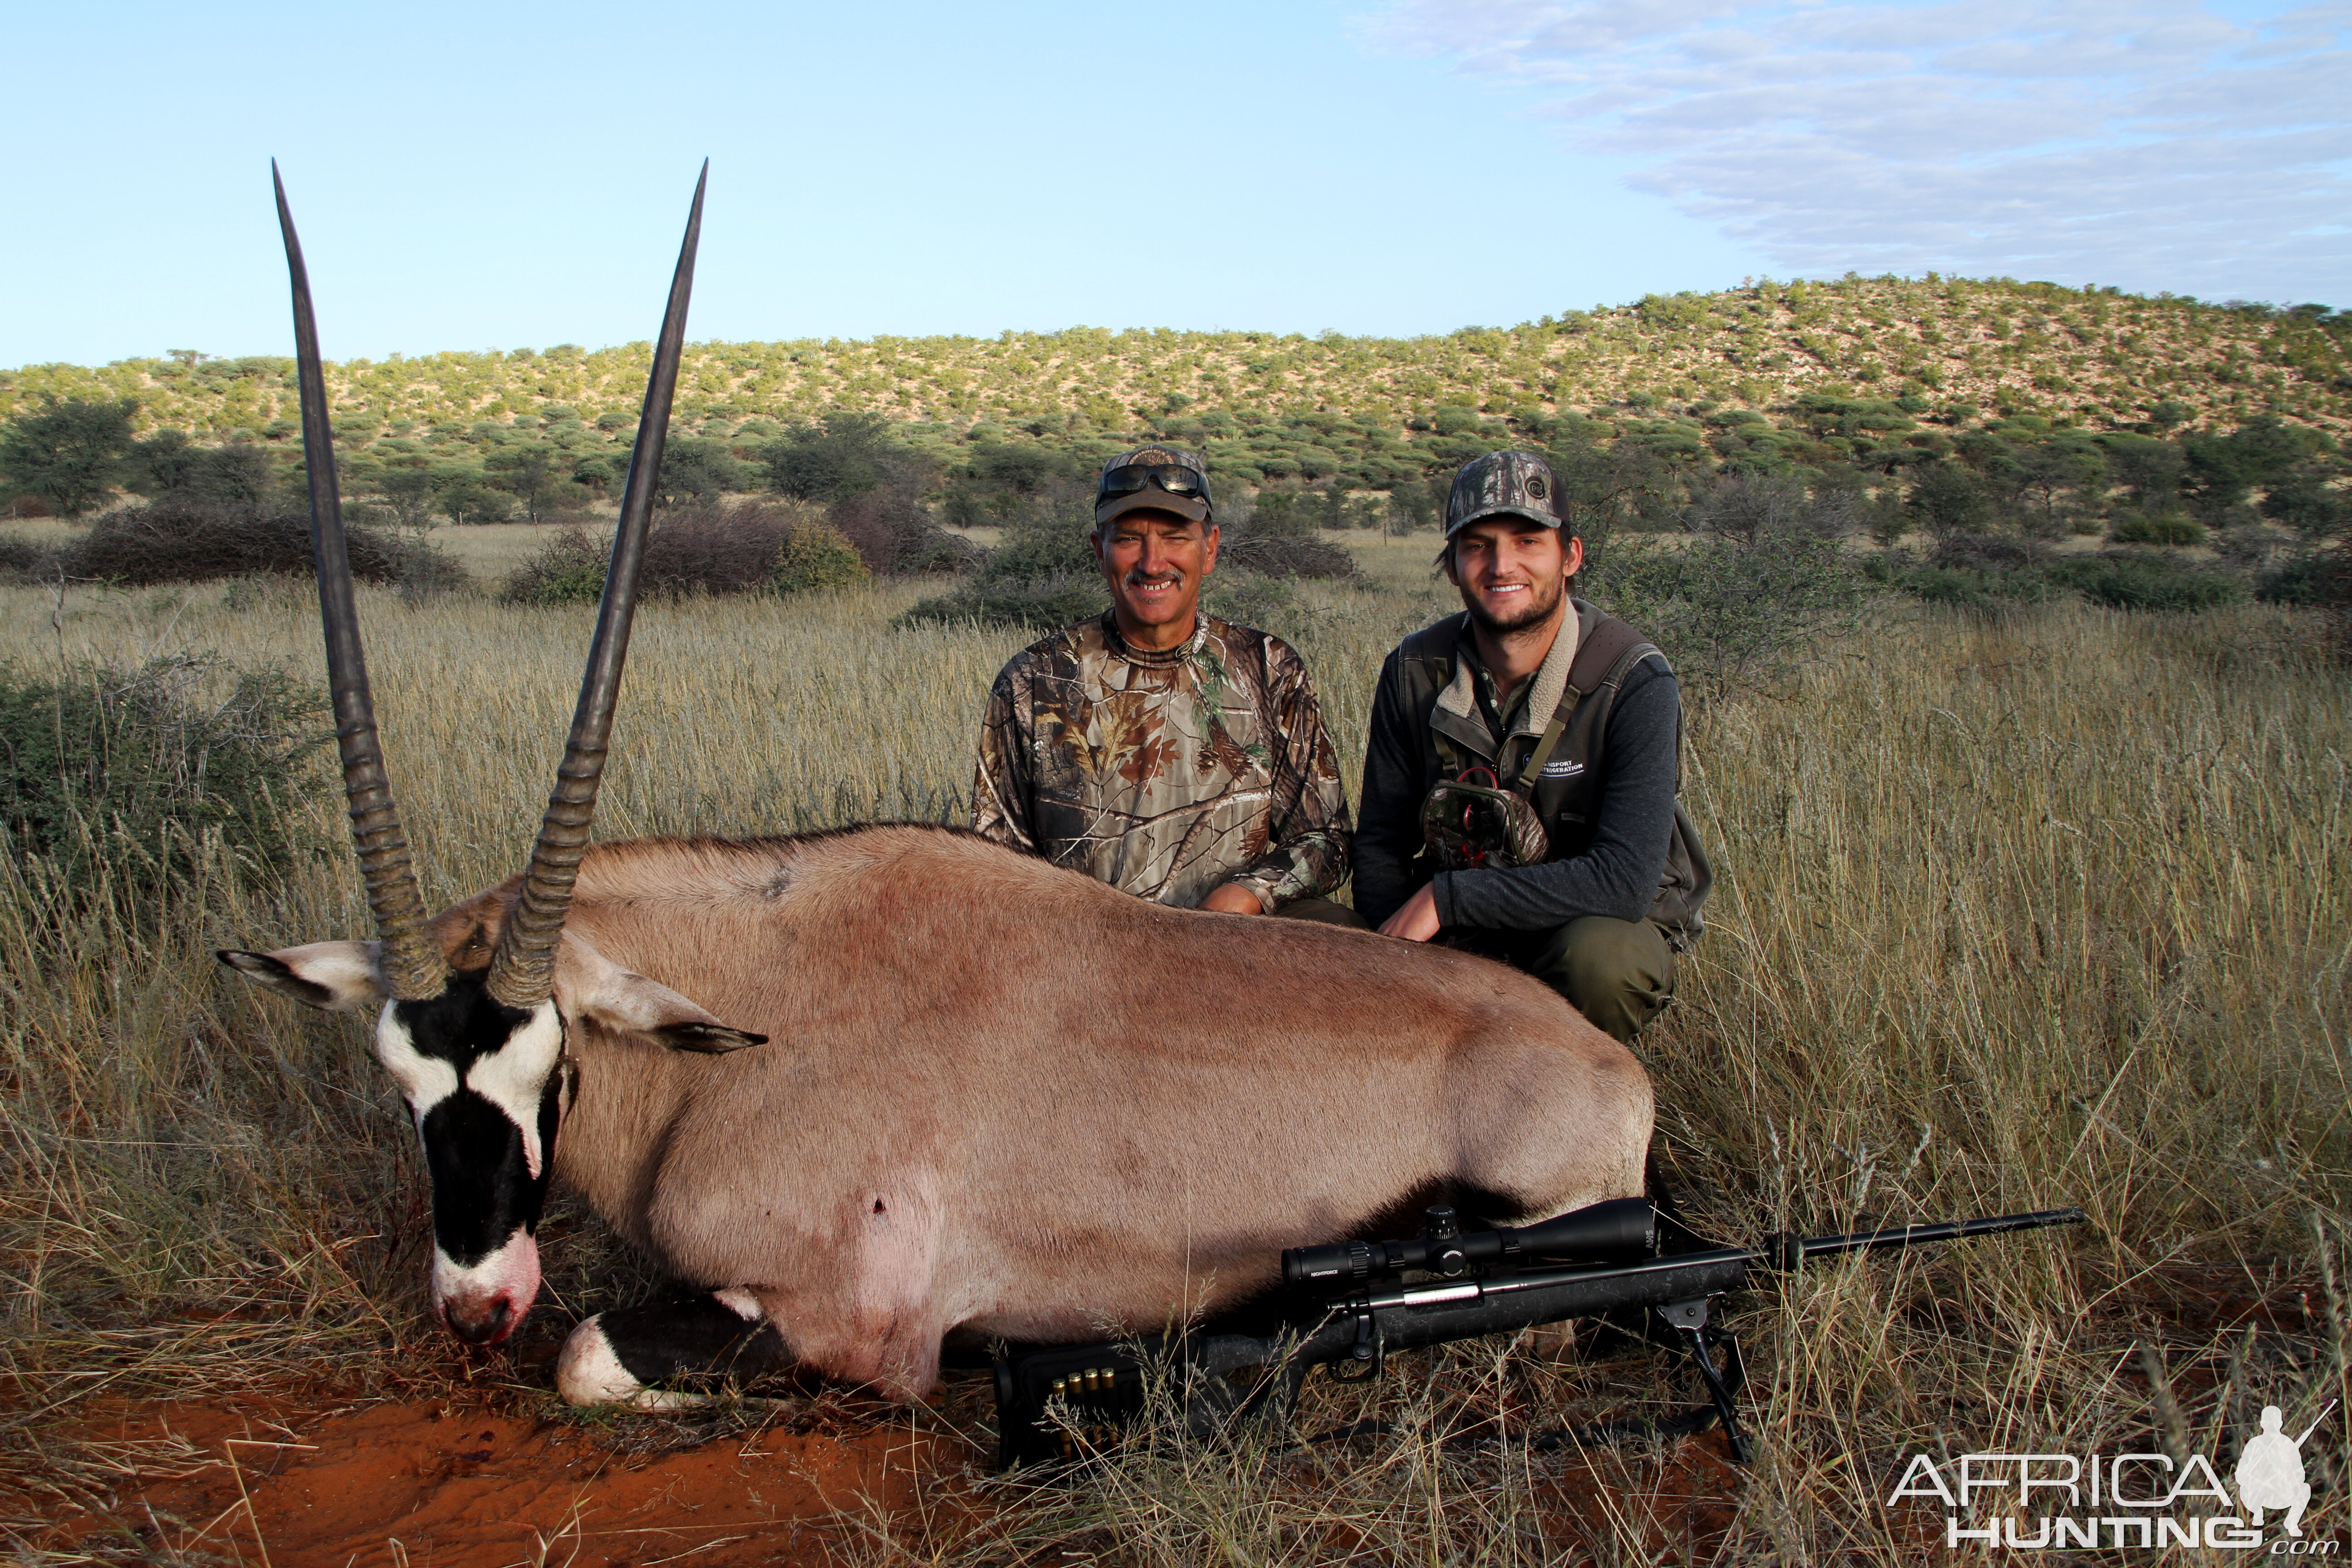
pixel 1157 748
pixel 1520 772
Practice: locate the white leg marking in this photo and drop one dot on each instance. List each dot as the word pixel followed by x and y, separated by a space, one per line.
pixel 590 1373
pixel 740 1302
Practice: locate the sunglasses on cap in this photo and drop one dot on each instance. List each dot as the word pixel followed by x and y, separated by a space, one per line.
pixel 1174 478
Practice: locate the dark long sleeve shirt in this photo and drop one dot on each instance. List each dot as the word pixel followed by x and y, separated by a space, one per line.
pixel 1617 876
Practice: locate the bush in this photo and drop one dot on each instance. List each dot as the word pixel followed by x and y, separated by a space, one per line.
pixel 1987 552
pixel 696 468
pixel 1968 587
pixel 894 532
pixel 568 570
pixel 2310 577
pixel 753 547
pixel 22 560
pixel 1286 555
pixel 1260 603
pixel 177 540
pixel 1042 603
pixel 116 776
pixel 1729 612
pixel 2148 583
pixel 816 555
pixel 709 549
pixel 2174 529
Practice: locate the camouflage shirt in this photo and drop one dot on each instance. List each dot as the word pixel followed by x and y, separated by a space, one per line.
pixel 1165 775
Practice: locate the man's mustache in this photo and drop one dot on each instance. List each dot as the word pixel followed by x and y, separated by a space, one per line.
pixel 1137 579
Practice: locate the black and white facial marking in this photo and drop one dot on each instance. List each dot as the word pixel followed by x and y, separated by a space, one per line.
pixel 482 1081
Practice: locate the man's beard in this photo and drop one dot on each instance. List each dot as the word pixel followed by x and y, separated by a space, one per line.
pixel 1537 610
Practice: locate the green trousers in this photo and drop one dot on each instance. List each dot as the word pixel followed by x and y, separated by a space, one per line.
pixel 1619 974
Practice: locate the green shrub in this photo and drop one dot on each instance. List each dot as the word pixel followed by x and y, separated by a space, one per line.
pixel 2148 583
pixel 2175 529
pixel 2315 578
pixel 1248 598
pixel 1977 587
pixel 115 777
pixel 1044 603
pixel 1731 611
pixel 817 555
pixel 753 547
pixel 568 570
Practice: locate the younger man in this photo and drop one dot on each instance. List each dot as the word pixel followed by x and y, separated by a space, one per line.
pixel 1566 855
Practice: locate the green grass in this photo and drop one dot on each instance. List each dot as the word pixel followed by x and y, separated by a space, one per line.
pixel 2046 909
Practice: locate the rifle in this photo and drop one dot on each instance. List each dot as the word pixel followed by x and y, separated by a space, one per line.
pixel 1348 1304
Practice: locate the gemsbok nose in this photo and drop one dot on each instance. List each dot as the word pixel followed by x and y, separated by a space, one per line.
pixel 480 1322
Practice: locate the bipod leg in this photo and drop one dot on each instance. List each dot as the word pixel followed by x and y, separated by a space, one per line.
pixel 1688 1320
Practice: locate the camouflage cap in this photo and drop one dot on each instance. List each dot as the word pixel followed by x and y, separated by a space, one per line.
pixel 1519 484
pixel 1108 505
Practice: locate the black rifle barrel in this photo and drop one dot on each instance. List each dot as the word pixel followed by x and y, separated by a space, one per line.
pixel 1778 1253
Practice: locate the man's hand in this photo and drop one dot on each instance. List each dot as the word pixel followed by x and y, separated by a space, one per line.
pixel 1234 900
pixel 1417 921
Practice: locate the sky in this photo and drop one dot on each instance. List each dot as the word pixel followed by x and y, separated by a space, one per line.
pixel 497 176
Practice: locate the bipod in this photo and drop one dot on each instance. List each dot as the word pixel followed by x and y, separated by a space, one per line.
pixel 1688 1322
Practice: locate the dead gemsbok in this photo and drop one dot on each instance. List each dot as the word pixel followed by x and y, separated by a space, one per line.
pixel 873 1088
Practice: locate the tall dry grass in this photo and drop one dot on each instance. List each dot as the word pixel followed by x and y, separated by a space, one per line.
pixel 2014 913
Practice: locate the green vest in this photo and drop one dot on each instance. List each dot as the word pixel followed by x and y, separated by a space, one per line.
pixel 1570 755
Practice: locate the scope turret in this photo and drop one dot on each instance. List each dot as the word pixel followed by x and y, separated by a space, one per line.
pixel 1614 1232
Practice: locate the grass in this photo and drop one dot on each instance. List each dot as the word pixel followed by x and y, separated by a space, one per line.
pixel 2053 906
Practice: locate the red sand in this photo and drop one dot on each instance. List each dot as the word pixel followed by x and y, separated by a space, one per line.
pixel 396 1485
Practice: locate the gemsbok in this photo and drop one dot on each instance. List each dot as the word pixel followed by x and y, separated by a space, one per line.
pixel 876 1089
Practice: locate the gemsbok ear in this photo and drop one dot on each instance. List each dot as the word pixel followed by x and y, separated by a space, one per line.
pixel 592 986
pixel 334 976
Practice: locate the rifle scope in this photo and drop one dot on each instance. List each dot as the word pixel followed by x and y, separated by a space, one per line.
pixel 1619 1230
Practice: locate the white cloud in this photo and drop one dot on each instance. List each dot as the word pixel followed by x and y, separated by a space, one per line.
pixel 2154 143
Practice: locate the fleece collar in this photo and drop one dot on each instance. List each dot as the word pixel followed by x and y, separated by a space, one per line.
pixel 1459 700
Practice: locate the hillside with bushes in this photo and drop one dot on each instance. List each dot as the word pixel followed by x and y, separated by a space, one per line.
pixel 1996 421
pixel 1691 374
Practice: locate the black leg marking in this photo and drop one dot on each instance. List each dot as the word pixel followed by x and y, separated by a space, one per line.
pixel 615 1356
pixel 703 1337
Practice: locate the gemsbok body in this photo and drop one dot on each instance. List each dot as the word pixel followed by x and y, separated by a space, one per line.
pixel 876 1089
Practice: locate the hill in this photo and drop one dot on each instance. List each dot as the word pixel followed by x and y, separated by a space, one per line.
pixel 1845 370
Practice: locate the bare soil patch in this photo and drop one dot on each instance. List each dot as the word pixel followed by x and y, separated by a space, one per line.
pixel 461 1485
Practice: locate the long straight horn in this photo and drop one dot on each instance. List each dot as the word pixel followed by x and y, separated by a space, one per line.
pixel 522 970
pixel 414 967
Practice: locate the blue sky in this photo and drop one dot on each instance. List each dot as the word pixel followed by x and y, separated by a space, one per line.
pixel 498 175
